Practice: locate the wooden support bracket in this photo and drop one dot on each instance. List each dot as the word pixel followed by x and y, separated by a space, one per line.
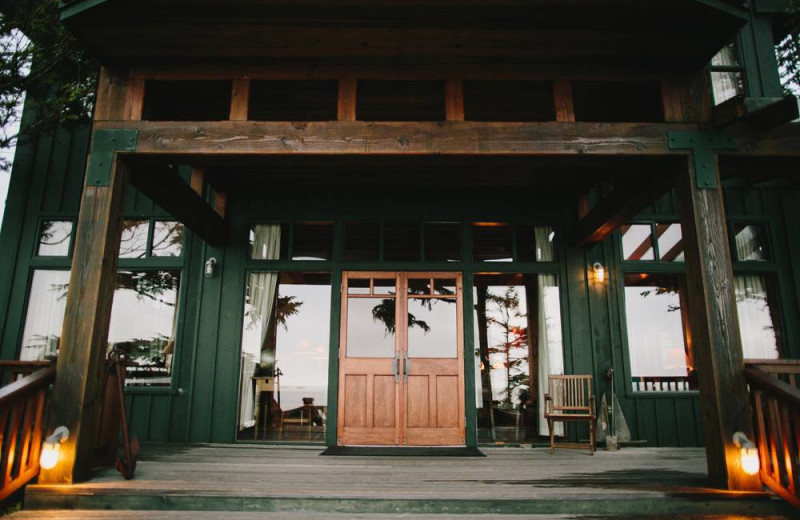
pixel 168 190
pixel 702 144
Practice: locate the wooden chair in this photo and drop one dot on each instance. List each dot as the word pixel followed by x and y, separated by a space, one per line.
pixel 570 399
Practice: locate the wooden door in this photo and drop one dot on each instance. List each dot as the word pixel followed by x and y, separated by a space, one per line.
pixel 401 376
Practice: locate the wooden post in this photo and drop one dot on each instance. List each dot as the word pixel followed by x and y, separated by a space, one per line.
pixel 715 329
pixel 562 94
pixel 79 385
pixel 454 100
pixel 240 100
pixel 346 109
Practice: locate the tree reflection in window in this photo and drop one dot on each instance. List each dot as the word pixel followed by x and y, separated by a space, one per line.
pixel 143 322
pixel 54 238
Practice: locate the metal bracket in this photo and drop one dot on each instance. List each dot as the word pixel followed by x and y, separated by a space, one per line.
pixel 702 144
pixel 105 143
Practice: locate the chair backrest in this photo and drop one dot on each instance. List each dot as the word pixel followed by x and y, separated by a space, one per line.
pixel 571 394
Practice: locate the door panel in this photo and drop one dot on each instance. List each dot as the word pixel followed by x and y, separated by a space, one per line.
pixel 401 360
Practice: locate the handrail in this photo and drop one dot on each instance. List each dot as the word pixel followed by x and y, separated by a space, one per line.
pixel 776 409
pixel 22 415
pixel 10 371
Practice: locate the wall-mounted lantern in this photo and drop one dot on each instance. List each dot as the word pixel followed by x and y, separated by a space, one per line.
pixel 747 452
pixel 52 447
pixel 599 272
pixel 211 267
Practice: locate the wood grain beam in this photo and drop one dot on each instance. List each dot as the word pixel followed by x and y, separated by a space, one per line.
pixel 168 190
pixel 714 326
pixel 249 138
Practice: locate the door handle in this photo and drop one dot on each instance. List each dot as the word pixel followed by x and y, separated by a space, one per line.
pixel 396 367
pixel 407 366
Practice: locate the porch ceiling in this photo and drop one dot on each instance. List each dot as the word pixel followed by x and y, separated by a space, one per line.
pixel 626 34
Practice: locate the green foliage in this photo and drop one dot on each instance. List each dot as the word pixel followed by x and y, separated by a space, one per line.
pixel 788 50
pixel 41 58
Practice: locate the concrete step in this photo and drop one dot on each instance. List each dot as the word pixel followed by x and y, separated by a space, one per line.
pixel 86 514
pixel 752 505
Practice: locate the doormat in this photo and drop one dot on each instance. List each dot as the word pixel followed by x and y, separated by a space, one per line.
pixel 392 451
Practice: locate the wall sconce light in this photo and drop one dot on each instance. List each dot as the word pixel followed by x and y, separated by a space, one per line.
pixel 52 447
pixel 747 452
pixel 211 267
pixel 599 272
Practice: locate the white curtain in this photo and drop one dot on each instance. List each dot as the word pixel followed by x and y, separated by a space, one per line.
pixel 543 238
pixel 45 315
pixel 263 287
pixel 551 356
pixel 755 319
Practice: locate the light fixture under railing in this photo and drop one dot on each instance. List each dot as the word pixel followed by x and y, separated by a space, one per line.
pixel 52 447
pixel 747 452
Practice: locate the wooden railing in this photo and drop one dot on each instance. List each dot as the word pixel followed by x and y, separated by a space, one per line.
pixel 776 410
pixel 22 414
pixel 10 371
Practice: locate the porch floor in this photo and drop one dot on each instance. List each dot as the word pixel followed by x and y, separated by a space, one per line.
pixel 632 481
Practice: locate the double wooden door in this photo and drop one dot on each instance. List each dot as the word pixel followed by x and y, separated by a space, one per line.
pixel 401 369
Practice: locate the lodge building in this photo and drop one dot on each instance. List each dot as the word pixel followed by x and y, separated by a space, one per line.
pixel 367 223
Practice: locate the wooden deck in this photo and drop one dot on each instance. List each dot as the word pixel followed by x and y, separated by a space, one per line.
pixel 507 481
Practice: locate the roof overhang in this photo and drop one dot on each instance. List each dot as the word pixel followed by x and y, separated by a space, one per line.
pixel 637 34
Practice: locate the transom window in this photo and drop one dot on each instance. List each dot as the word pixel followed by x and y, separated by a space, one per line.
pixel 653 241
pixel 726 74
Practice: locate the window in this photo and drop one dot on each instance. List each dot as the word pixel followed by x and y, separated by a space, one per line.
pixel 756 307
pixel 502 242
pixel 284 357
pixel 144 322
pixel 54 238
pixel 145 309
pixel 726 74
pixel 518 343
pixel 750 243
pixel 44 318
pixel 652 241
pixel 659 346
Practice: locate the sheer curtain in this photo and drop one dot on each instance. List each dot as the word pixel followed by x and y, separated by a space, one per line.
pixel 263 288
pixel 755 319
pixel 548 308
pixel 45 315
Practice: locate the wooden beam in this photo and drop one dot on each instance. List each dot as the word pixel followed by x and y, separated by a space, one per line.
pixel 562 94
pixel 240 99
pixel 714 327
pixel 197 180
pixel 80 382
pixel 134 100
pixel 220 203
pixel 756 114
pixel 454 100
pixel 616 208
pixel 346 109
pixel 162 184
pixel 400 138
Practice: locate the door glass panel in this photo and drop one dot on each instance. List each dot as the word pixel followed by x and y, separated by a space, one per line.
pixel 432 328
pixel 358 286
pixel 383 286
pixel 419 286
pixel 370 327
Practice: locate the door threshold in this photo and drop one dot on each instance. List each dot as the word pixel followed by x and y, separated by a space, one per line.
pixel 404 451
